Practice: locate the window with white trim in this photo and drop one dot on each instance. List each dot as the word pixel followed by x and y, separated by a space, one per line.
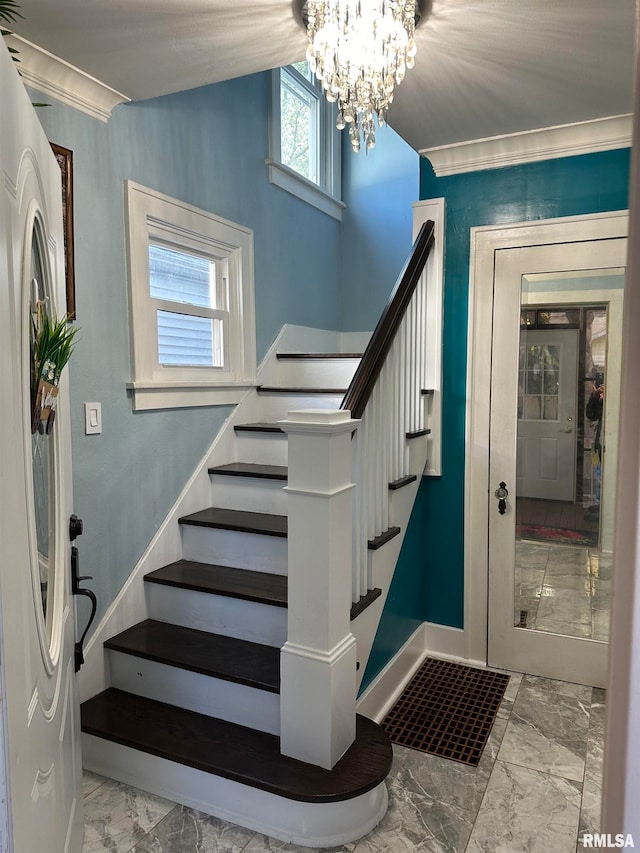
pixel 304 143
pixel 191 303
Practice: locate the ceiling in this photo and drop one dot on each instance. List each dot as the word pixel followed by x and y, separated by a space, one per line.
pixel 484 67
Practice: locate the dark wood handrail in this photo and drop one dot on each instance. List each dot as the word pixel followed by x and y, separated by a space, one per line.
pixel 365 377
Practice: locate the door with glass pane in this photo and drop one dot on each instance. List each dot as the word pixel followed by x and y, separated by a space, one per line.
pixel 557 329
pixel 41 782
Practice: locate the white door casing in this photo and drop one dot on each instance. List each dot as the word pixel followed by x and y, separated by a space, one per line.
pixel 546 447
pixel 536 652
pixel 479 499
pixel 40 711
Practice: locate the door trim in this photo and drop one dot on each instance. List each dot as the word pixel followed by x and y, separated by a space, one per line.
pixel 485 240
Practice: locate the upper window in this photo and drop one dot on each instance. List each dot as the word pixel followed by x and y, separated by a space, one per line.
pixel 305 146
pixel 191 299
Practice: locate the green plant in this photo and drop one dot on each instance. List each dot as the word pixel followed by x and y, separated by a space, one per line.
pixel 9 14
pixel 53 342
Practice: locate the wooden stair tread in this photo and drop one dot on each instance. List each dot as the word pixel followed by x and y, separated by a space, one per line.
pixel 214 655
pixel 259 427
pixel 313 355
pixel 236 519
pixel 263 587
pixel 251 469
pixel 418 433
pixel 278 389
pixel 235 752
pixel 402 481
pixel 383 538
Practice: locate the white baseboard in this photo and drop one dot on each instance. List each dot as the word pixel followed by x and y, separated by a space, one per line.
pixel 384 690
pixel 427 640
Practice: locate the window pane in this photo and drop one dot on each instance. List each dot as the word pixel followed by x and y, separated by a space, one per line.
pixel 187 340
pixel 299 127
pixel 303 68
pixel 180 277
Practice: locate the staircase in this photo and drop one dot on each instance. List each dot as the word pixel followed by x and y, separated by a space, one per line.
pixel 193 711
pixel 218 682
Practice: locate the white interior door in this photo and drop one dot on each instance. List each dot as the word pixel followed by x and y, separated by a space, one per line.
pixel 41 772
pixel 542 652
pixel 547 397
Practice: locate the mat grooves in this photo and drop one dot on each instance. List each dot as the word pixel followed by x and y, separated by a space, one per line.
pixel 447 709
pixel 235 752
pixel 215 655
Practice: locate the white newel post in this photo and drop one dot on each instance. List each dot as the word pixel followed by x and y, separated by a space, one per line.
pixel 318 661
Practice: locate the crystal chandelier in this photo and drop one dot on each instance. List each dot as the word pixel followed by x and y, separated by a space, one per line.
pixel 360 50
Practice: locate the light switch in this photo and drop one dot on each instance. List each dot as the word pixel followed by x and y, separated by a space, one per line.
pixel 92 418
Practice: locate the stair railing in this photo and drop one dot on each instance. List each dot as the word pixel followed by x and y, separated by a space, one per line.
pixel 361 446
pixel 387 395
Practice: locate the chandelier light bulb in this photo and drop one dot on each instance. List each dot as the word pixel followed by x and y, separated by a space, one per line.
pixel 360 50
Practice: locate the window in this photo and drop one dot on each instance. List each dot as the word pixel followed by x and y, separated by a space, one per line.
pixel 191 303
pixel 304 143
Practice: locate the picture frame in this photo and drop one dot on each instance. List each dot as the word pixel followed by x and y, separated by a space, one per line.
pixel 64 158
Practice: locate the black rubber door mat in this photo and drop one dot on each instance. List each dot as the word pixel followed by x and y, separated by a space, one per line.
pixel 447 709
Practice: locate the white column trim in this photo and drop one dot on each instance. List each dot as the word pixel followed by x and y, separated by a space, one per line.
pixel 58 79
pixel 531 146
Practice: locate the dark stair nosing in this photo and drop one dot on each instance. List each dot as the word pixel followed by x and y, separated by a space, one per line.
pixel 235 752
pixel 239 520
pixel 312 355
pixel 259 427
pixel 364 601
pixel 279 389
pixel 427 392
pixel 214 655
pixel 418 433
pixel 246 584
pixel 251 469
pixel 403 481
pixel 383 538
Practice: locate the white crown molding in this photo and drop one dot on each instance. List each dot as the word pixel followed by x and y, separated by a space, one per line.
pixel 57 79
pixel 530 146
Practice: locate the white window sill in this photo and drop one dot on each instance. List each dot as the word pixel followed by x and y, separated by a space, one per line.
pixel 184 394
pixel 289 180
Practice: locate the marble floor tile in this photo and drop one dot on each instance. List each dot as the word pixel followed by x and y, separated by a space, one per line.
pixel 592 788
pixel 186 830
pixel 600 621
pixel 565 555
pixel 263 844
pixel 530 555
pixel 564 611
pixel 510 818
pixel 548 727
pixel 91 781
pixel 117 817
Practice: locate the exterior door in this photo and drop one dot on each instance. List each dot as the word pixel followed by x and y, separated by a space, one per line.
pixel 547 398
pixel 564 580
pixel 41 805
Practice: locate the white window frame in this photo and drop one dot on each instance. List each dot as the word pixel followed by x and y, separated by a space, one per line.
pixel 325 195
pixel 151 217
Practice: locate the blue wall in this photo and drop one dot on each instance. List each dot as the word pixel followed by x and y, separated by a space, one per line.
pixel 432 560
pixel 207 147
pixel 379 187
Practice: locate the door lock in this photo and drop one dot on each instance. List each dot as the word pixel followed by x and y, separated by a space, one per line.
pixel 501 493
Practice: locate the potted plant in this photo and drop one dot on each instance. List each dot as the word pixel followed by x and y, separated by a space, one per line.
pixel 52 343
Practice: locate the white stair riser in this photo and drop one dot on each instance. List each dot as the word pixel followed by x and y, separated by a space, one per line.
pixel 303 824
pixel 265 448
pixel 234 548
pixel 215 697
pixel 275 407
pixel 249 493
pixel 316 372
pixel 218 614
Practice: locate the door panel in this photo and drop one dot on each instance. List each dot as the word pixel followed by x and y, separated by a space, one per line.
pixel 547 393
pixel 40 712
pixel 514 643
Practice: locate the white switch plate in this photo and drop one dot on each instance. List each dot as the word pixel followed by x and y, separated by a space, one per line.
pixel 92 418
